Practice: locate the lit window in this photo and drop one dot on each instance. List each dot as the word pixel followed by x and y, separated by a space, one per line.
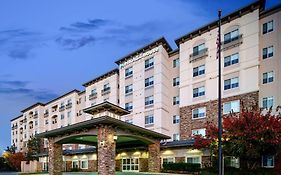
pixel 128 89
pixel 200 70
pixel 268 161
pixel 129 106
pixel 176 100
pixel 176 119
pixel 176 81
pixel 149 100
pixel 267 102
pixel 128 72
pixel 75 164
pixel 176 62
pixel 148 82
pixel 268 77
pixel 193 160
pixel 267 27
pixel 231 36
pixel 84 164
pixel 231 83
pixel 149 120
pixel 233 106
pixel 267 52
pixel 149 63
pixel 168 160
pixel 198 113
pixel 197 92
pixel 198 49
pixel 231 59
pixel 176 137
pixel 201 132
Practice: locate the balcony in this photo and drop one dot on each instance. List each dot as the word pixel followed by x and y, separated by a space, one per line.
pixel 105 91
pixel 35 115
pixel 68 105
pixel 198 55
pixel 61 108
pixel 46 114
pixel 232 42
pixel 93 96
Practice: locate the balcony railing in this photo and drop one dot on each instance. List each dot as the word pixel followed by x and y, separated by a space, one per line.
pixel 233 42
pixel 68 105
pixel 105 91
pixel 93 96
pixel 46 114
pixel 198 55
pixel 61 108
pixel 35 115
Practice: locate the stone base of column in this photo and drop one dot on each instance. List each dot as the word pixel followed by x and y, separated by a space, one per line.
pixel 154 161
pixel 55 158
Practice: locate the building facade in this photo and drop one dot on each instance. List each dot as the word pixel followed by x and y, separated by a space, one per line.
pixel 173 92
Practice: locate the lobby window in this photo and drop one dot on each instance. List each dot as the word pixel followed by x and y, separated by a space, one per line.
pixel 195 159
pixel 268 161
pixel 148 82
pixel 231 83
pixel 176 119
pixel 233 106
pixel 268 77
pixel 75 164
pixel 176 100
pixel 129 89
pixel 149 119
pixel 267 27
pixel 128 72
pixel 231 59
pixel 198 92
pixel 198 49
pixel 167 160
pixel 199 113
pixel 200 70
pixel 149 63
pixel 176 62
pixel 231 36
pixel 129 106
pixel 84 164
pixel 149 100
pixel 267 102
pixel 176 81
pixel 267 52
pixel 176 137
pixel 201 132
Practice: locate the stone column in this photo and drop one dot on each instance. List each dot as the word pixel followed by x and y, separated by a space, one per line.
pixel 106 150
pixel 154 161
pixel 55 157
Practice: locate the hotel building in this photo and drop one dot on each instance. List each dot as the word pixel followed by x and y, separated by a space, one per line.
pixel 172 92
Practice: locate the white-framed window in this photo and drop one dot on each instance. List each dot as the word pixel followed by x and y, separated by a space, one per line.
pixel 149 63
pixel 231 106
pixel 128 72
pixel 149 100
pixel 75 164
pixel 176 119
pixel 176 81
pixel 193 159
pixel 129 106
pixel 128 89
pixel 148 82
pixel 200 91
pixel 267 102
pixel 176 62
pixel 166 160
pixel 198 49
pixel 231 36
pixel 267 27
pixel 94 91
pixel 268 161
pixel 201 132
pixel 231 83
pixel 199 113
pixel 267 52
pixel 268 77
pixel 130 164
pixel 176 137
pixel 84 164
pixel 200 70
pixel 231 59
pixel 45 166
pixel 231 161
pixel 62 116
pixel 176 100
pixel 149 119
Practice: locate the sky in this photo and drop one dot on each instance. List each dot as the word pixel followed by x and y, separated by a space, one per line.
pixel 49 47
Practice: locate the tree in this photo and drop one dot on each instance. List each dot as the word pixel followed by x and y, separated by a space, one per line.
pixel 33 148
pixel 15 159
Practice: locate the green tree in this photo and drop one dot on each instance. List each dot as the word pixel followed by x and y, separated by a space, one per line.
pixel 33 148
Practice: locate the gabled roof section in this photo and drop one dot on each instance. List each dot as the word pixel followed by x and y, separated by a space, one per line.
pixel 271 11
pixel 101 77
pixel 106 106
pixel 161 41
pixel 32 106
pixel 16 118
pixel 64 95
pixel 259 4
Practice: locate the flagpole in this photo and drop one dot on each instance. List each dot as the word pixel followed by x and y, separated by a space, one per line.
pixel 219 97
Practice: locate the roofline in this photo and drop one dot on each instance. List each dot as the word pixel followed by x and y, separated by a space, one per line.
pixel 106 103
pixel 16 118
pixel 160 41
pixel 174 52
pixel 270 11
pixel 101 77
pixel 70 92
pixel 32 106
pixel 225 19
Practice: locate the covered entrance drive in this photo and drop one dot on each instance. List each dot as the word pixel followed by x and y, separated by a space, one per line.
pixel 107 132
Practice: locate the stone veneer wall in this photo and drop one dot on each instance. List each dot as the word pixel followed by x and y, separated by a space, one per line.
pixel 187 124
pixel 143 164
pixel 179 159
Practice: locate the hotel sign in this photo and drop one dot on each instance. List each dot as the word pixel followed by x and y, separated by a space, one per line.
pixel 138 57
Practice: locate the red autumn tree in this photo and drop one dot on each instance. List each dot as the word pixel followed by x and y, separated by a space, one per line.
pixel 15 159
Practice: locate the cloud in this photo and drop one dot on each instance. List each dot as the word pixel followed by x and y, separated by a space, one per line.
pixel 75 43
pixel 84 26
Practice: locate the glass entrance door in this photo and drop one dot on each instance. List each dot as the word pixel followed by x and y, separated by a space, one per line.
pixel 130 164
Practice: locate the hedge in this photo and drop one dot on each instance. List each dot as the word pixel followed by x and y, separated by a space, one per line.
pixel 187 167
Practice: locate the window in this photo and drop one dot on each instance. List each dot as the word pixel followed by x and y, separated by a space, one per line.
pixel 197 49
pixel 84 164
pixel 231 59
pixel 149 100
pixel 106 87
pixel 200 70
pixel 75 164
pixel 196 159
pixel 94 91
pixel 231 83
pixel 129 106
pixel 176 81
pixel 267 102
pixel 176 62
pixel 166 160
pixel 62 116
pixel 201 132
pixel 176 137
pixel 36 123
pixel 69 114
pixel 231 36
pixel 268 77
pixel 148 82
pixel 267 52
pixel 197 92
pixel 199 113
pixel 149 120
pixel 149 63
pixel 176 119
pixel 46 122
pixel 268 161
pixel 128 72
pixel 231 106
pixel 267 27
pixel 129 89
pixel 130 164
pixel 176 100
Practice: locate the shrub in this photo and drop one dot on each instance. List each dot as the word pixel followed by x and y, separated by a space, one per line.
pixel 187 167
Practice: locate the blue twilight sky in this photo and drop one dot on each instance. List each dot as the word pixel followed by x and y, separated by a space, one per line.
pixel 49 47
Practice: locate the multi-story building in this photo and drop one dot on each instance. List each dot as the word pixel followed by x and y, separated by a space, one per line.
pixel 174 92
